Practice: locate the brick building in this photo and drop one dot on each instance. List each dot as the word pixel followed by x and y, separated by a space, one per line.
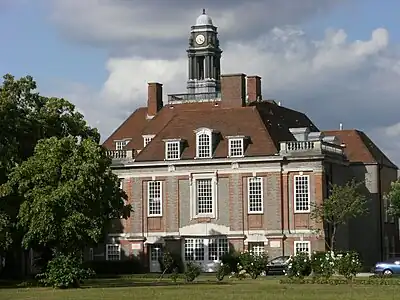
pixel 219 167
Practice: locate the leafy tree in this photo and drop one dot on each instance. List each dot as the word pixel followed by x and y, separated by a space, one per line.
pixel 25 118
pixel 393 198
pixel 70 194
pixel 344 202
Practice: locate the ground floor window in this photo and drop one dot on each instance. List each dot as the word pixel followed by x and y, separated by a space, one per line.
pixel 302 246
pixel 210 249
pixel 113 252
pixel 257 248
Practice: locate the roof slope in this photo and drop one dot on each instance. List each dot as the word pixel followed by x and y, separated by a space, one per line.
pixel 359 148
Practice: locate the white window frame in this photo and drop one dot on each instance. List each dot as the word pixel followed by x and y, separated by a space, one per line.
pixel 199 133
pixel 147 139
pixel 257 248
pixel 176 143
pixel 221 243
pixel 308 243
pixel 261 180
pixel 149 184
pixel 193 194
pixel 230 148
pixel 120 144
pixel 108 250
pixel 295 194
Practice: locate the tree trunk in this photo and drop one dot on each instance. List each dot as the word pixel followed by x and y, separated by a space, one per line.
pixel 333 236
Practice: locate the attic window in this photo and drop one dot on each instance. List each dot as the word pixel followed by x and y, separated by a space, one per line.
pixel 173 149
pixel 119 145
pixel 236 146
pixel 147 139
pixel 204 143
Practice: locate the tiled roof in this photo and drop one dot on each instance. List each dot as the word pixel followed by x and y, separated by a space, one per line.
pixel 359 148
pixel 265 123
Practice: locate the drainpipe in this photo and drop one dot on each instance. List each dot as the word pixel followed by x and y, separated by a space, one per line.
pixel 381 228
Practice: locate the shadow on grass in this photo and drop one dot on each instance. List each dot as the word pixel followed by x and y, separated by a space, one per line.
pixel 104 283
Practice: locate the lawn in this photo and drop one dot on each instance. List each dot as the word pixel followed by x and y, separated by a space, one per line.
pixel 205 289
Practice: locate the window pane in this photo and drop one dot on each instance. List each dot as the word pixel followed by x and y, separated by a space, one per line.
pixel 204 196
pixel 301 185
pixel 255 194
pixel 236 147
pixel 155 197
pixel 302 247
pixel 203 144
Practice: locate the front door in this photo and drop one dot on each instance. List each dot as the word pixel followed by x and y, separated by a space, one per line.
pixel 155 252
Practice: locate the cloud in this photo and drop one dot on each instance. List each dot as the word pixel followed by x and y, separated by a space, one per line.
pixel 334 79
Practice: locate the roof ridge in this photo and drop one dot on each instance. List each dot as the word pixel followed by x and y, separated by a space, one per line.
pixel 261 121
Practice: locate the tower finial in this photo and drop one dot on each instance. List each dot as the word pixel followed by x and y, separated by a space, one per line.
pixel 204 11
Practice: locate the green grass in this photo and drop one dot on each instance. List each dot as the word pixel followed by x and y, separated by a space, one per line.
pixel 205 289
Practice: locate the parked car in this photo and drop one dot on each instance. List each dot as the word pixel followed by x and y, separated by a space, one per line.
pixel 277 265
pixel 388 267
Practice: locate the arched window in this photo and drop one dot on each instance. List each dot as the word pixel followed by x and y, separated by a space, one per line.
pixel 204 144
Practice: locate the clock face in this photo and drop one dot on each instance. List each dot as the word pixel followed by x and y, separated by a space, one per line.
pixel 200 39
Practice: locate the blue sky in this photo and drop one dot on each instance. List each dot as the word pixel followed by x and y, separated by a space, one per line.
pixel 100 54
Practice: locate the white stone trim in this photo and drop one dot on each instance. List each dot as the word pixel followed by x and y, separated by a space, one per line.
pixel 171 171
pixel 204 229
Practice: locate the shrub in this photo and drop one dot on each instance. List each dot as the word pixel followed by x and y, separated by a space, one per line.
pixel 64 271
pixel 299 265
pixel 323 264
pixel 192 271
pixel 231 260
pixel 348 264
pixel 222 270
pixel 170 262
pixel 253 264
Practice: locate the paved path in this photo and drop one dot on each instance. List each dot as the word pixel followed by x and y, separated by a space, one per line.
pixel 364 274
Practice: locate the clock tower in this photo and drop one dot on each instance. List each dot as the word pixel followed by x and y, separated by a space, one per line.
pixel 204 57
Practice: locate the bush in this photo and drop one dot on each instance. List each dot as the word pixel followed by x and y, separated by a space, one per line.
pixel 299 266
pixel 64 272
pixel 171 262
pixel 348 264
pixel 253 264
pixel 192 271
pixel 323 264
pixel 231 261
pixel 222 270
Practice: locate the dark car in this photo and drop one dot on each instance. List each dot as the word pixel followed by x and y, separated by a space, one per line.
pixel 388 267
pixel 277 265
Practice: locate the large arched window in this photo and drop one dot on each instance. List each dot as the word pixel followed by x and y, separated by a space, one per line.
pixel 204 143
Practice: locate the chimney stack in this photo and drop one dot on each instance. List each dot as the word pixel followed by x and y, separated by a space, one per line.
pixel 254 88
pixel 233 90
pixel 154 98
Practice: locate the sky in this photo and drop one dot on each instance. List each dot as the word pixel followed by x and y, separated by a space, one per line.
pixel 336 60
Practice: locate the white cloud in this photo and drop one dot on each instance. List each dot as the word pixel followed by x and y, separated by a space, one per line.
pixel 334 80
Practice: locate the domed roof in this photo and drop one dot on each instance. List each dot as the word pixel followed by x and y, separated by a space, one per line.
pixel 204 19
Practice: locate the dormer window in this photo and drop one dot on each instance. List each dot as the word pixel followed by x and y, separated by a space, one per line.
pixel 173 149
pixel 236 146
pixel 120 144
pixel 204 143
pixel 147 139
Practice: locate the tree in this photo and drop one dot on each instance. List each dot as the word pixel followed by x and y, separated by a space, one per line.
pixel 70 194
pixel 25 118
pixel 344 202
pixel 393 199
